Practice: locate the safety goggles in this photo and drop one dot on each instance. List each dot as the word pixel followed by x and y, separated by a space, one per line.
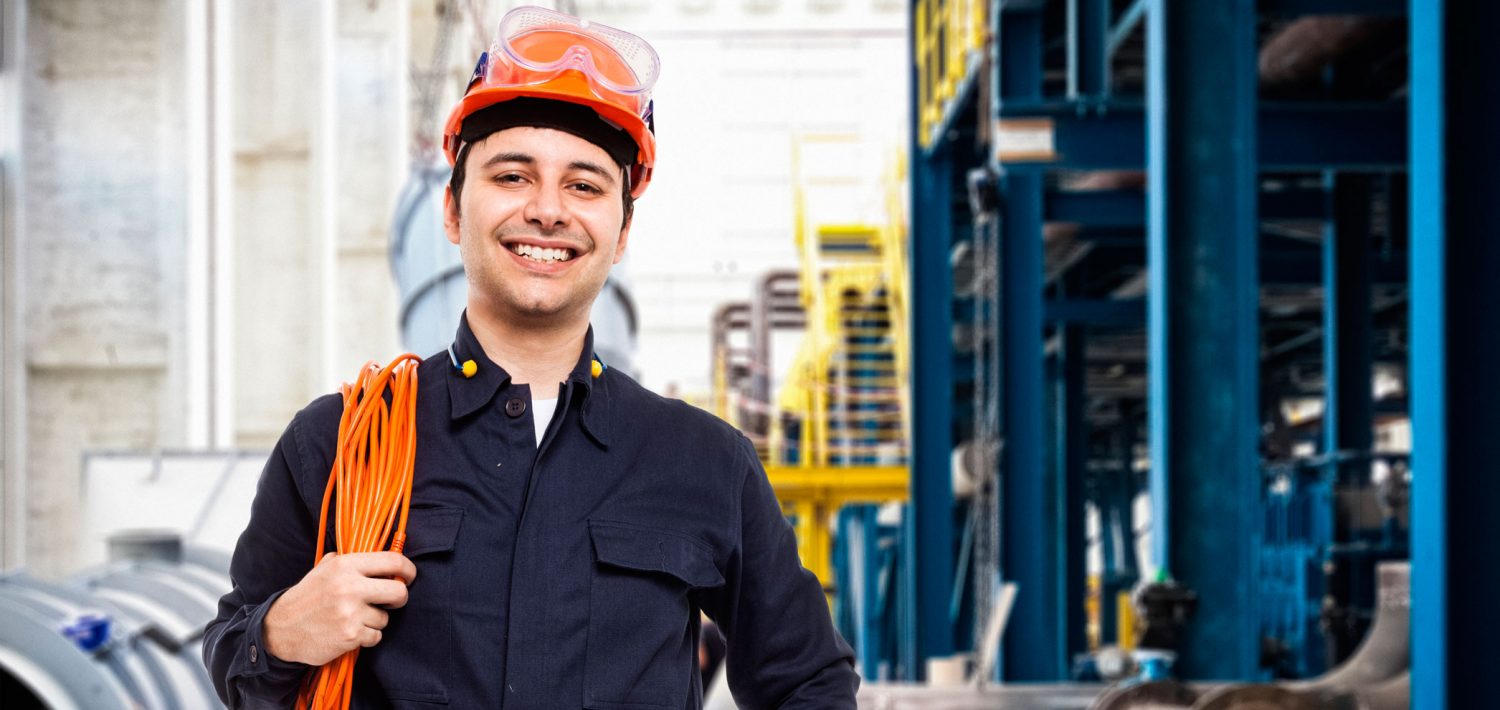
pixel 534 45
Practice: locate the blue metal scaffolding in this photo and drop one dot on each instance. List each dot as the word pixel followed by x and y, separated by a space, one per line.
pixel 1180 263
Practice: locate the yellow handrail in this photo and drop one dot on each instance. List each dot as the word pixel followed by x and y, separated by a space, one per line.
pixel 845 390
pixel 961 27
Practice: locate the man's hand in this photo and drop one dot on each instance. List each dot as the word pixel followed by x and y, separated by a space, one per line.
pixel 337 606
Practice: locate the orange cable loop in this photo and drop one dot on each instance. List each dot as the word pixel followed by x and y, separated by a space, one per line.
pixel 370 488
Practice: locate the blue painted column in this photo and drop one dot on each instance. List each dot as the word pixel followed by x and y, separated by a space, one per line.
pixel 1203 321
pixel 1031 544
pixel 1455 336
pixel 927 544
pixel 1088 45
pixel 1030 539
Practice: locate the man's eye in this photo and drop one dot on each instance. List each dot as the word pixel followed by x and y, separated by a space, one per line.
pixel 508 178
pixel 586 188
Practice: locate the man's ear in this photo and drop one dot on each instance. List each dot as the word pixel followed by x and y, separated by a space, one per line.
pixel 450 214
pixel 624 238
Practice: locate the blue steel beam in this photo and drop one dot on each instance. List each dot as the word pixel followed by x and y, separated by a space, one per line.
pixel 1030 540
pixel 1097 208
pixel 1283 261
pixel 1455 337
pixel 1129 20
pixel 1034 647
pixel 1430 617
pixel 1088 39
pixel 1203 314
pixel 1123 312
pixel 1121 208
pixel 929 556
pixel 1295 137
pixel 927 559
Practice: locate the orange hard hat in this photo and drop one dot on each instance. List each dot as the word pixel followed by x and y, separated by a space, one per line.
pixel 542 54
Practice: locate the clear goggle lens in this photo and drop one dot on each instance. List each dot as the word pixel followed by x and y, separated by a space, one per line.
pixel 534 45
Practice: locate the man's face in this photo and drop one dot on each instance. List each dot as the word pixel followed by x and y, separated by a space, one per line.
pixel 539 224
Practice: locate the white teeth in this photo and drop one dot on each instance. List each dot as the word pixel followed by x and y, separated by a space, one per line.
pixel 544 255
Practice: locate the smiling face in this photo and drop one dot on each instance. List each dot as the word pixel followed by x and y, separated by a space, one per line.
pixel 539 222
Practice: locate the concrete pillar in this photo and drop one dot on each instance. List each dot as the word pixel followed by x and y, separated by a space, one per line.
pixel 101 247
pixel 12 430
pixel 319 153
pixel 274 288
pixel 364 170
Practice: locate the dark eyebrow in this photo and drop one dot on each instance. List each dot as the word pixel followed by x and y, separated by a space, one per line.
pixel 592 167
pixel 512 157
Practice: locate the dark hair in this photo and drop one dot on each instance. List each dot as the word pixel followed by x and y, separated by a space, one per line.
pixel 460 163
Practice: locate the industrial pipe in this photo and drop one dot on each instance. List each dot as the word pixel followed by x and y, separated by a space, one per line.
pixel 1386 651
pixel 127 635
pixel 771 297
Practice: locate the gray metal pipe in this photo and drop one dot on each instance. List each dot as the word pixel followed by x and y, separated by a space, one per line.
pixel 1394 694
pixel 127 635
pixel 771 294
pixel 1386 651
pixel 1376 677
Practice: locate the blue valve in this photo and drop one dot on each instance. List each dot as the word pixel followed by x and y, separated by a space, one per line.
pixel 88 631
pixel 1154 664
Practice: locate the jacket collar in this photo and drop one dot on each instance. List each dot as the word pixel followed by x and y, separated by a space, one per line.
pixel 467 395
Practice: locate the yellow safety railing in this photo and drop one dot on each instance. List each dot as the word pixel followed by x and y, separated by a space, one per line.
pixel 948 43
pixel 847 383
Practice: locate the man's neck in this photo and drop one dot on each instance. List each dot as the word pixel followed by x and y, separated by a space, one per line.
pixel 539 357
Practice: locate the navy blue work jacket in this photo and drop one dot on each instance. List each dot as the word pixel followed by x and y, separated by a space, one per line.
pixel 562 576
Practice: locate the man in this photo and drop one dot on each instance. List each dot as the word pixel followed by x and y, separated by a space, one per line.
pixel 567 526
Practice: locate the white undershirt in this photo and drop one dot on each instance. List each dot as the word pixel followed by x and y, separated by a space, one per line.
pixel 541 415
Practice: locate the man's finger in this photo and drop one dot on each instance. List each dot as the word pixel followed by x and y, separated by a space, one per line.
pixel 383 564
pixel 384 592
pixel 375 618
pixel 369 637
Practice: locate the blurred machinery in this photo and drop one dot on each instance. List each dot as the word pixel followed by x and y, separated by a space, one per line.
pixel 125 635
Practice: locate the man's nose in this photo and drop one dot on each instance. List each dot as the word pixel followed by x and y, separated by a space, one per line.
pixel 546 209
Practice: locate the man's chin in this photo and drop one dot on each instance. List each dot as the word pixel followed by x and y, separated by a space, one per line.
pixel 541 312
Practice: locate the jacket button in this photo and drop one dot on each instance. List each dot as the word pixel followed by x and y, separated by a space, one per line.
pixel 254 653
pixel 515 407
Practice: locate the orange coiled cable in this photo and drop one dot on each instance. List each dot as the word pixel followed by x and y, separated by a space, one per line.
pixel 371 488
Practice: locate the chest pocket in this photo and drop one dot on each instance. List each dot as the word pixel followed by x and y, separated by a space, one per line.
pixel 640 648
pixel 407 663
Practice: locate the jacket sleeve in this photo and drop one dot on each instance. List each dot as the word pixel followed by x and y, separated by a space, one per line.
pixel 781 648
pixel 273 553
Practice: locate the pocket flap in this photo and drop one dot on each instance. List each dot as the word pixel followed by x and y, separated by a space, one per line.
pixel 654 550
pixel 430 530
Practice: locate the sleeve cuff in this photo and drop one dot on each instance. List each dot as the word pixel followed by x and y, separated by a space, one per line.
pixel 256 660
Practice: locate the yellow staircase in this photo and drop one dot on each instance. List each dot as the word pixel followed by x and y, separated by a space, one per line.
pixel 844 406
